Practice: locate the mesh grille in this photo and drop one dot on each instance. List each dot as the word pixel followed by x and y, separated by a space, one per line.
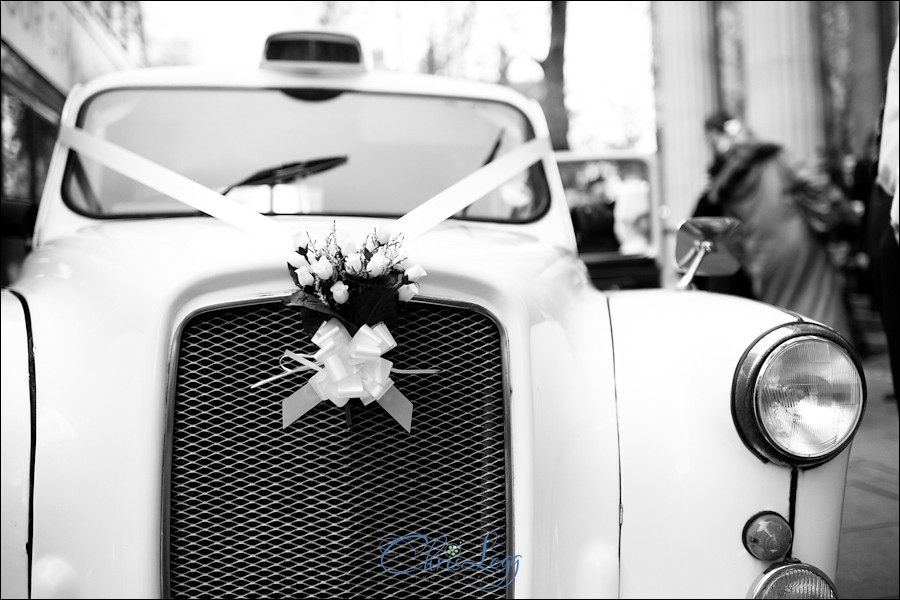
pixel 257 510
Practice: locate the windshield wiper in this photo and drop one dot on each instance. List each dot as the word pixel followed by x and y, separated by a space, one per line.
pixel 494 150
pixel 490 158
pixel 289 172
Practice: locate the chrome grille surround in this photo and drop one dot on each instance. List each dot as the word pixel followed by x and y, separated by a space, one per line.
pixel 254 510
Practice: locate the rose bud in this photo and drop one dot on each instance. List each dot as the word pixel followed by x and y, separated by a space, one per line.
pixel 323 269
pixel 407 292
pixel 340 292
pixel 415 272
pixel 304 276
pixel 297 260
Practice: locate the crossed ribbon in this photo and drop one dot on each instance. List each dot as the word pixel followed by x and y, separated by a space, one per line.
pixel 347 368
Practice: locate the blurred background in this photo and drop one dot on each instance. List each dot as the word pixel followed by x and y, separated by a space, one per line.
pixel 610 75
pixel 636 78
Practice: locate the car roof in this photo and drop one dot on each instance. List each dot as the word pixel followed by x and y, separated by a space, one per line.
pixel 368 81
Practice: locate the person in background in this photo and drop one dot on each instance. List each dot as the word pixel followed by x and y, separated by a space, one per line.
pixel 594 220
pixel 889 255
pixel 632 213
pixel 786 265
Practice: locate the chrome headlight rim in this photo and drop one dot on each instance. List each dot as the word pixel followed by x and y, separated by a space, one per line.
pixel 743 397
pixel 777 569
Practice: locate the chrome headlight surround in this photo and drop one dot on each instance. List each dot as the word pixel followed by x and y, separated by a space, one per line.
pixel 780 578
pixel 762 422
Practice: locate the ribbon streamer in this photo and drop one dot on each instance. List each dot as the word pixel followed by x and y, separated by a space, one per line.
pixel 177 186
pixel 426 216
pixel 347 368
pixel 471 188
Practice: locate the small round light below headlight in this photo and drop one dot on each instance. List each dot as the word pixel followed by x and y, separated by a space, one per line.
pixel 792 580
pixel 809 397
pixel 767 536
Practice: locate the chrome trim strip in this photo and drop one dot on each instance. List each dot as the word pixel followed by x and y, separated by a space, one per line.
pixel 778 568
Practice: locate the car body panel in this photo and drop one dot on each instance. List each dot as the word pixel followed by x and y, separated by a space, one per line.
pixel 731 482
pixel 120 415
pixel 15 420
pixel 818 513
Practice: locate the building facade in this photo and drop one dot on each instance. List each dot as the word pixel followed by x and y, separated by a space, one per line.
pixel 47 48
pixel 809 75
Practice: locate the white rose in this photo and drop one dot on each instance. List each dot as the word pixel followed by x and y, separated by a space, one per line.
pixel 354 263
pixel 340 292
pixel 407 292
pixel 297 260
pixel 301 240
pixel 323 269
pixel 377 264
pixel 383 234
pixel 304 276
pixel 415 272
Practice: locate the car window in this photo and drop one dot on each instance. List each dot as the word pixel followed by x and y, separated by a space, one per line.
pixel 338 152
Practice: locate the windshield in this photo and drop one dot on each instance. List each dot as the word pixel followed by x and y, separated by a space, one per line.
pixel 370 154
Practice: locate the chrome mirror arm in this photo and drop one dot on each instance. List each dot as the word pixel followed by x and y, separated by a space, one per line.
pixel 699 251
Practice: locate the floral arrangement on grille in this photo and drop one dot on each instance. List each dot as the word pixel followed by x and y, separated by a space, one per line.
pixel 358 285
pixel 349 296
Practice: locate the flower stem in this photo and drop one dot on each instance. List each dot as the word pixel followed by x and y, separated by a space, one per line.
pixel 348 416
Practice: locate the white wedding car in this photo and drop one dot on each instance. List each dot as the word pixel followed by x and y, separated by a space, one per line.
pixel 564 441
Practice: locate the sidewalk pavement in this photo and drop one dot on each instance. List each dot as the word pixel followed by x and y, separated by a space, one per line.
pixel 869 544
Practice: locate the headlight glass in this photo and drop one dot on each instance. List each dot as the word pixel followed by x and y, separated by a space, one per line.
pixel 809 397
pixel 798 396
pixel 793 580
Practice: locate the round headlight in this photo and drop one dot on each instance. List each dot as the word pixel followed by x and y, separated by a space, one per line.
pixel 799 395
pixel 792 580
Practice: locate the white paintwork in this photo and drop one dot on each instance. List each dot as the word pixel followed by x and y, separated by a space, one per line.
pixel 819 510
pixel 682 437
pixel 15 467
pixel 106 300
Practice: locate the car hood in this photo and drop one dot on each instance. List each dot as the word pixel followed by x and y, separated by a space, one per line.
pixel 131 261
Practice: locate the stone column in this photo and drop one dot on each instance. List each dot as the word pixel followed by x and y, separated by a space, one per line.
pixel 867 73
pixel 784 94
pixel 684 64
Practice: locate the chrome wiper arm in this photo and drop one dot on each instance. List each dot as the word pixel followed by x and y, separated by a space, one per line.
pixel 289 172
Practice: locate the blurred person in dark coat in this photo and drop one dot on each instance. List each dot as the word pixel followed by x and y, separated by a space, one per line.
pixel 785 264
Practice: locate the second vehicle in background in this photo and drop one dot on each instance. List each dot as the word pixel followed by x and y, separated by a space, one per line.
pixel 616 211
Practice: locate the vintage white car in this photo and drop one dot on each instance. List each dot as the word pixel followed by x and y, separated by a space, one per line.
pixel 195 401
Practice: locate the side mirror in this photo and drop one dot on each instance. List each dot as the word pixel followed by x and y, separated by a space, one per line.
pixel 708 246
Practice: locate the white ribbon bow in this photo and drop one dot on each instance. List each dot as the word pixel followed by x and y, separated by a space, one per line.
pixel 347 368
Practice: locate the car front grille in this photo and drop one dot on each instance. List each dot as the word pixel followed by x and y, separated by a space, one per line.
pixel 257 510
